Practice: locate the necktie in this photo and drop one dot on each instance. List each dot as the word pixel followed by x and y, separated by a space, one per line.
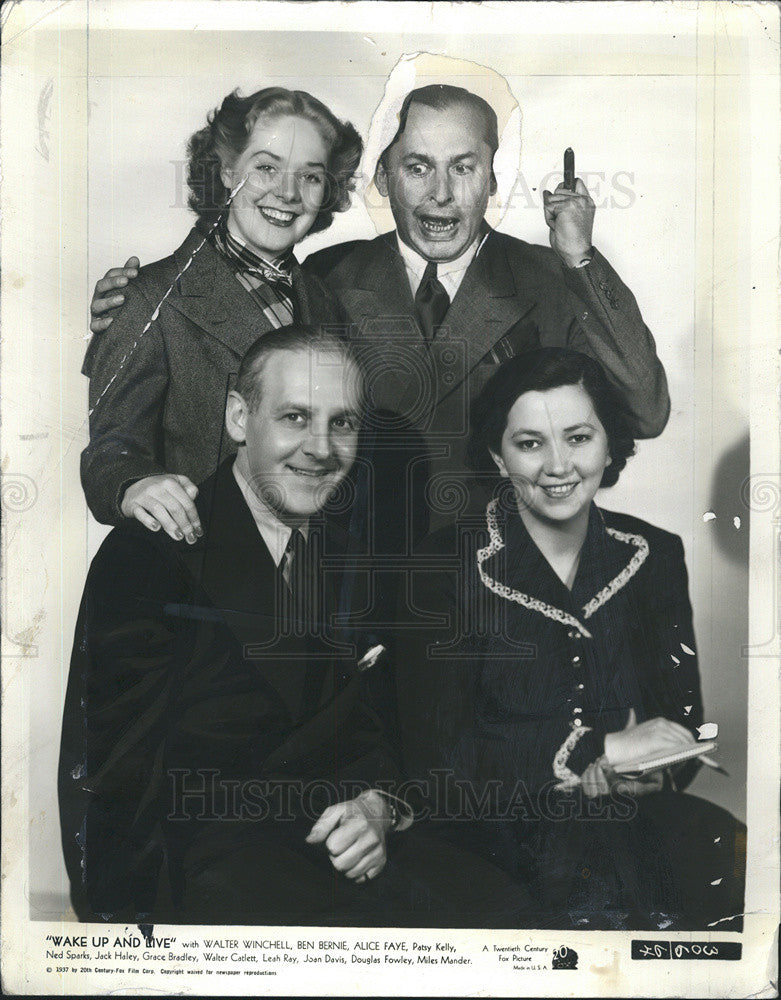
pixel 431 302
pixel 299 581
pixel 298 573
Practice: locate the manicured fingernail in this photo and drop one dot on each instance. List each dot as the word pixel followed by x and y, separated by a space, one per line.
pixel 178 535
pixel 190 538
pixel 198 530
pixel 117 300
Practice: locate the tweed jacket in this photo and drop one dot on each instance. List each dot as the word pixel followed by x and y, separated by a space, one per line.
pixel 160 375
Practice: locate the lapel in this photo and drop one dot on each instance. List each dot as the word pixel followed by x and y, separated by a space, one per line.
pixel 310 304
pixel 379 301
pixel 603 558
pixel 489 301
pixel 523 567
pixel 237 570
pixel 326 734
pixel 210 296
pixel 380 289
pixel 239 580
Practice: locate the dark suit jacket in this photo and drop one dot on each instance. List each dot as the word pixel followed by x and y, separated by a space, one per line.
pixel 157 390
pixel 514 296
pixel 182 686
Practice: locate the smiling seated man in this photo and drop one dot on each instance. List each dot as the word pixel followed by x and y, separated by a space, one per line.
pixel 220 760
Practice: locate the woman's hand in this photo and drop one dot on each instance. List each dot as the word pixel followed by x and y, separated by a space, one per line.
pixel 105 297
pixel 594 780
pixel 354 835
pixel 600 779
pixel 649 739
pixel 164 501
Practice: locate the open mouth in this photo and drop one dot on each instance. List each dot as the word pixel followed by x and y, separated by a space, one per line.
pixel 559 492
pixel 277 217
pixel 437 226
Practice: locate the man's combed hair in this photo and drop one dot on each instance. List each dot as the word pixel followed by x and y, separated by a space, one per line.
pixel 225 137
pixel 537 371
pixel 317 339
pixel 441 97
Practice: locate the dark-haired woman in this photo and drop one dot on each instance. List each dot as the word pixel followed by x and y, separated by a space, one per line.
pixel 566 652
pixel 266 170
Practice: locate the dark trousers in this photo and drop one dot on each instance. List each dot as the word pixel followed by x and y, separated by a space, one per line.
pixel 267 874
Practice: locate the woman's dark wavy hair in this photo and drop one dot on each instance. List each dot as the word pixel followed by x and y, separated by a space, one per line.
pixel 536 371
pixel 226 135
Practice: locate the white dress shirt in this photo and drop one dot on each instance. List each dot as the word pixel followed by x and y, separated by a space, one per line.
pixel 274 533
pixel 450 273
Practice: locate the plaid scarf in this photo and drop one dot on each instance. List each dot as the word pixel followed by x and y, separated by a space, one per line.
pixel 269 284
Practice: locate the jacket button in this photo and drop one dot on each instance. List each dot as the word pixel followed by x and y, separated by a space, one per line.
pixel 577 722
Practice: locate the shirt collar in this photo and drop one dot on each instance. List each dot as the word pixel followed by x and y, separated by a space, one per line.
pixel 274 532
pixel 416 265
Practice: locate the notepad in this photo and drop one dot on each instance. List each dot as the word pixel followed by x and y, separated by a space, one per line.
pixel 636 768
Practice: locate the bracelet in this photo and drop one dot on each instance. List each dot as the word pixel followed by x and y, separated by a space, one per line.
pixel 394 816
pixel 400 819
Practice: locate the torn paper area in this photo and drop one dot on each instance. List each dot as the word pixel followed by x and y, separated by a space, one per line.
pixel 421 69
